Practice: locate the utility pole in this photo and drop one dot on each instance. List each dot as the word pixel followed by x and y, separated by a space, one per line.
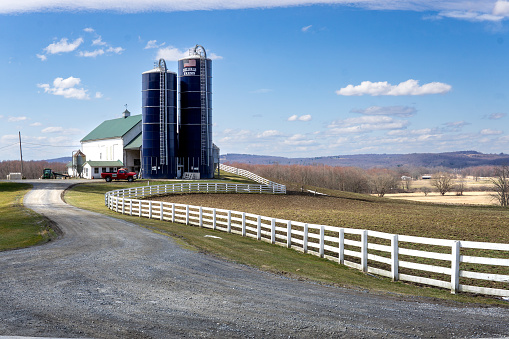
pixel 21 154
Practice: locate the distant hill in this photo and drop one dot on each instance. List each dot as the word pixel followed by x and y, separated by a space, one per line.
pixel 461 159
pixel 62 159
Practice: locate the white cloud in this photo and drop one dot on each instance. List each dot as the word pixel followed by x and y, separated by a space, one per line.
pixel 66 88
pixel 214 56
pixel 153 44
pixel 402 111
pixel 42 57
pixel 300 140
pixel 306 117
pixel 61 130
pixel 92 54
pixel 366 124
pixel 470 16
pixel 116 50
pixel 269 133
pixel 496 116
pixel 52 130
pixel 35 124
pixel 132 6
pixel 306 28
pixel 456 125
pixel 171 53
pixel 409 87
pixel 63 46
pixel 98 42
pixel 501 8
pixel 89 30
pixel 16 119
pixel 98 95
pixel 488 131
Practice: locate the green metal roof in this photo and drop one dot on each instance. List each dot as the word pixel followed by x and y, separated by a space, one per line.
pixel 114 128
pixel 116 163
pixel 135 143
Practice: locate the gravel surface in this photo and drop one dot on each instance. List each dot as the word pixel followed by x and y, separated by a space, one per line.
pixel 107 278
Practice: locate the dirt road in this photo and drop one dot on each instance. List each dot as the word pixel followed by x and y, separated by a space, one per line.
pixel 106 278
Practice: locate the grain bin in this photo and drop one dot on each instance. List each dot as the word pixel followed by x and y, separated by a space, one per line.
pixel 159 115
pixel 195 126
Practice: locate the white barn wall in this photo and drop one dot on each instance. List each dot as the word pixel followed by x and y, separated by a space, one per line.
pixel 104 150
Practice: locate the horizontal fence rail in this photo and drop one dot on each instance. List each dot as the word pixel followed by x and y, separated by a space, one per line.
pixel 461 266
pixel 252 176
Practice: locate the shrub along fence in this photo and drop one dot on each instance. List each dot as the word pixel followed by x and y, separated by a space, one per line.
pixel 461 266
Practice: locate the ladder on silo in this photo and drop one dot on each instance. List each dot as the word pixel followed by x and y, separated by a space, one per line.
pixel 162 115
pixel 204 159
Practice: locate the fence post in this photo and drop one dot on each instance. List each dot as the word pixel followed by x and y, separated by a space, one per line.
pixel 394 258
pixel 150 209
pixel 364 251
pixel 229 230
pixel 259 228
pixel 187 214
pixel 139 208
pixel 289 234
pixel 213 218
pixel 201 217
pixel 455 267
pixel 322 241
pixel 172 212
pixel 305 238
pixel 131 207
pixel 123 205
pixel 341 255
pixel 273 231
pixel 243 224
pixel 116 204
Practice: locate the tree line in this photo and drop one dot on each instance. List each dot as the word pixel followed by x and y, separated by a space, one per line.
pixel 31 169
pixel 382 181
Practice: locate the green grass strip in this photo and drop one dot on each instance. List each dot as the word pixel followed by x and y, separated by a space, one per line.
pixel 19 226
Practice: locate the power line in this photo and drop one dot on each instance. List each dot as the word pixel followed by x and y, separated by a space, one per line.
pixel 9 145
pixel 31 143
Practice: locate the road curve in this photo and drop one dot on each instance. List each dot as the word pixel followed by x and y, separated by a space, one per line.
pixel 107 278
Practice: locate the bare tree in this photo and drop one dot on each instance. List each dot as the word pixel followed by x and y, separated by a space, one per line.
pixel 383 183
pixel 442 182
pixel 425 190
pixel 460 186
pixel 501 183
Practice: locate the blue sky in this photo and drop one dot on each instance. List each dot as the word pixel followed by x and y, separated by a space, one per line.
pixel 291 78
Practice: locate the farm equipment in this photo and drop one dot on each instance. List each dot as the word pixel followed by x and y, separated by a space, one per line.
pixel 49 174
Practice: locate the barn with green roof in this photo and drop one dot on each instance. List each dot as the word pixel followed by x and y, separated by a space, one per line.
pixel 113 144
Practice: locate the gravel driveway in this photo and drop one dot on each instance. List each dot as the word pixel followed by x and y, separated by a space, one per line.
pixel 107 278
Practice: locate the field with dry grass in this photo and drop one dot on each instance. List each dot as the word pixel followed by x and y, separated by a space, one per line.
pixel 474 223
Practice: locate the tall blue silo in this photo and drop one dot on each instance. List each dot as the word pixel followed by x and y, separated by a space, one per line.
pixel 195 126
pixel 159 123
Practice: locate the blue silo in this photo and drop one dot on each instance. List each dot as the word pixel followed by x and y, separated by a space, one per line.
pixel 159 115
pixel 195 125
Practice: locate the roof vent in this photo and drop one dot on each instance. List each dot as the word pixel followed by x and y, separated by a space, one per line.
pixel 126 114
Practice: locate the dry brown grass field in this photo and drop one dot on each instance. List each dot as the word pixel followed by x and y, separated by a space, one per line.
pixel 468 198
pixel 476 193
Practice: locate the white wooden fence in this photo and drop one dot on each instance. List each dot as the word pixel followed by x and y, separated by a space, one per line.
pixel 442 263
pixel 252 176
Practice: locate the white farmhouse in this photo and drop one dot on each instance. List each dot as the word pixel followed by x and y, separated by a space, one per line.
pixel 113 144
